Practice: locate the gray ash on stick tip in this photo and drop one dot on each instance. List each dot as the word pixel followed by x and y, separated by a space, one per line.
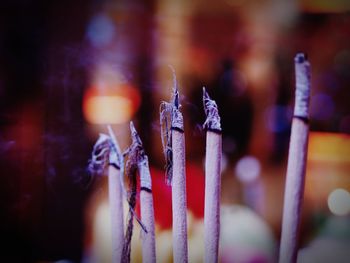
pixel 176 116
pixel 116 156
pixel 212 122
pixel 170 119
pixel 105 152
pixel 100 155
pixel 303 86
pixel 300 57
pixel 135 153
pixel 141 159
pixel 175 99
pixel 135 136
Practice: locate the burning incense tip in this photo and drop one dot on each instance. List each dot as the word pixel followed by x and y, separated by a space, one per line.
pixel 212 121
pixel 135 153
pixel 115 144
pixel 175 96
pixel 170 119
pixel 135 136
pixel 116 156
pixel 300 57
pixel 141 158
pixel 302 92
pixel 176 116
pixel 100 155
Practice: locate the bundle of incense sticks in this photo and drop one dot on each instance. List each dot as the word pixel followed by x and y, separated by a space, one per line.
pixel 212 180
pixel 106 152
pixel 173 140
pixel 294 189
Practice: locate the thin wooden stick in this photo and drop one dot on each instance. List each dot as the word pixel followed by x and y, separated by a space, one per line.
pixel 117 215
pixel 106 152
pixel 174 150
pixel 180 253
pixel 146 198
pixel 212 180
pixel 294 189
pixel 180 246
pixel 115 190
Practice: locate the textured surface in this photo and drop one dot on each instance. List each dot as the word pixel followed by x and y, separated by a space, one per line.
pixel 147 214
pixel 117 215
pixel 147 218
pixel 302 91
pixel 179 198
pixel 294 190
pixel 145 175
pixel 212 196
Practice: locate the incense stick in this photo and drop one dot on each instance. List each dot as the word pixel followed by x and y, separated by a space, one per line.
pixel 116 210
pixel 115 190
pixel 212 180
pixel 132 156
pixel 147 210
pixel 295 178
pixel 107 152
pixel 174 150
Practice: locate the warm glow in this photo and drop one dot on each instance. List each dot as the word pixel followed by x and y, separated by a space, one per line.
pixel 331 147
pixel 104 109
pixel 328 166
pixel 110 106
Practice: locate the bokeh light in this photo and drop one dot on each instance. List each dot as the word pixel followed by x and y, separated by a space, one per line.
pixel 339 202
pixel 278 118
pixel 101 30
pixel 247 169
pixel 110 106
pixel 244 237
pixel 322 107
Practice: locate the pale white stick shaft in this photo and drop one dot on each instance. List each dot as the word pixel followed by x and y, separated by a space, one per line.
pixel 147 218
pixel 294 191
pixel 180 252
pixel 147 214
pixel 212 197
pixel 116 210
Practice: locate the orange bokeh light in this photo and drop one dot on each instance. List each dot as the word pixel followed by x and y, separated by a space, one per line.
pixel 110 105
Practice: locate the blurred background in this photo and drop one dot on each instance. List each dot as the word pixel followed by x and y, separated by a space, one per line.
pixel 68 68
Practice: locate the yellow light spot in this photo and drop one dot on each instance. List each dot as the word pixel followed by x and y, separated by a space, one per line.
pixel 108 109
